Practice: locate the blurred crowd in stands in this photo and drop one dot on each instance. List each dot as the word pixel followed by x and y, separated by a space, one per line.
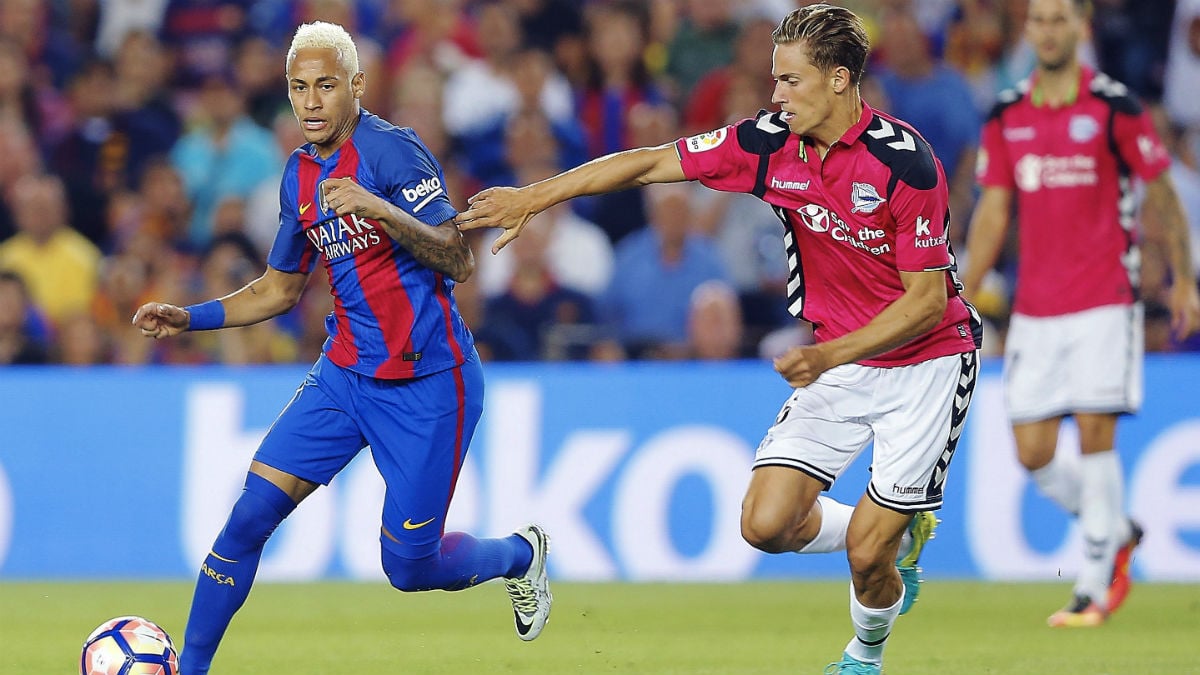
pixel 142 142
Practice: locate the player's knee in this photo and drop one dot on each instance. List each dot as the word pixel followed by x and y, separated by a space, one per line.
pixel 867 568
pixel 1033 460
pixel 252 519
pixel 408 574
pixel 868 558
pixel 1036 444
pixel 766 533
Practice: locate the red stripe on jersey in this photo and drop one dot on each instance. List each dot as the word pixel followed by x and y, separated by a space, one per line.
pixel 460 391
pixel 343 351
pixel 384 292
pixel 307 259
pixel 307 173
pixel 439 292
pixel 383 288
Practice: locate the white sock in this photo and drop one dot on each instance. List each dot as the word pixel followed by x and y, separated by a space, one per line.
pixel 1061 480
pixel 835 520
pixel 1124 528
pixel 1100 519
pixel 871 628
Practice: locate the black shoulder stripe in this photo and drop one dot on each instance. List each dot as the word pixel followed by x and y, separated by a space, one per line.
pixel 760 177
pixel 1115 94
pixel 765 134
pixel 903 151
pixel 1005 99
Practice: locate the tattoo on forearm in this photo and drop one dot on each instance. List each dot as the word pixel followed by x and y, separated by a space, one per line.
pixel 439 248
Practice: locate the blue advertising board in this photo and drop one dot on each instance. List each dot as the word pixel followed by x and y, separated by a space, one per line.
pixel 636 470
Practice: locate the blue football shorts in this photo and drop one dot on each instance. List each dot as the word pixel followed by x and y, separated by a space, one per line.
pixel 418 431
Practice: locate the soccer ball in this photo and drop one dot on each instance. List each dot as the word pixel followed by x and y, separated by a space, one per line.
pixel 129 645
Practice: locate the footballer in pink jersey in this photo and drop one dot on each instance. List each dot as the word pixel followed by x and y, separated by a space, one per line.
pixel 863 203
pixel 1072 167
pixel 1068 145
pixel 873 206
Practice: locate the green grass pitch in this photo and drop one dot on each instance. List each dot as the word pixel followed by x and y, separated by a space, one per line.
pixel 653 629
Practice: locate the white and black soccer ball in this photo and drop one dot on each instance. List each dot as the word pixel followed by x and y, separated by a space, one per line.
pixel 129 645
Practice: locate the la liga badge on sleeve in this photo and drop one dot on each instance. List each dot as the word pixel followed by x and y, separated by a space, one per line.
pixel 707 140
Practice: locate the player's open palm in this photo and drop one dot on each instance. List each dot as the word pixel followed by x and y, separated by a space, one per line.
pixel 801 366
pixel 504 207
pixel 160 320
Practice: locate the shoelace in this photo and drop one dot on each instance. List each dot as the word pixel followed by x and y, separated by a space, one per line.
pixel 847 668
pixel 524 597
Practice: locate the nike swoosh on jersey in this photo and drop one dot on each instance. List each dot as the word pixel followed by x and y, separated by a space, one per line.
pixel 410 525
pixel 305 207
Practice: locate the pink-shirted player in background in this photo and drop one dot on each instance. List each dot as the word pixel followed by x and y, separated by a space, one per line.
pixel 863 203
pixel 1067 143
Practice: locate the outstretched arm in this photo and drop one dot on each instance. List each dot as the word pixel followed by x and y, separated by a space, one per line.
pixel 270 295
pixel 511 208
pixel 1165 219
pixel 441 248
pixel 913 314
pixel 985 237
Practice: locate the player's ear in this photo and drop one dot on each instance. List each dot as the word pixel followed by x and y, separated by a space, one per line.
pixel 358 84
pixel 840 79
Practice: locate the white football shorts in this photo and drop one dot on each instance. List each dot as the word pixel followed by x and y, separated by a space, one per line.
pixel 1089 362
pixel 914 414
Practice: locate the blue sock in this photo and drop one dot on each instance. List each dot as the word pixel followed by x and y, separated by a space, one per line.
pixel 228 572
pixel 460 561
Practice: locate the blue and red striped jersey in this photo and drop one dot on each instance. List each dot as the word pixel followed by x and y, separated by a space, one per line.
pixel 392 318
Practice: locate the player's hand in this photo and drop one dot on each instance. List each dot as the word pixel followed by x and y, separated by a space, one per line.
pixel 1184 302
pixel 345 197
pixel 505 207
pixel 801 366
pixel 160 320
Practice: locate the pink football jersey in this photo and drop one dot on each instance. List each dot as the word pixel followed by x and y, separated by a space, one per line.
pixel 875 206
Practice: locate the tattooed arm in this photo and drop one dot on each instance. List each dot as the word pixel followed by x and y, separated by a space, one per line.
pixel 442 248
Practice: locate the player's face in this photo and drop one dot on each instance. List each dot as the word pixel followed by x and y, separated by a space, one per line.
pixel 324 97
pixel 802 91
pixel 1054 29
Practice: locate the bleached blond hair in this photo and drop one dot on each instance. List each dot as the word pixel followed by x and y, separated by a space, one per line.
pixel 325 35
